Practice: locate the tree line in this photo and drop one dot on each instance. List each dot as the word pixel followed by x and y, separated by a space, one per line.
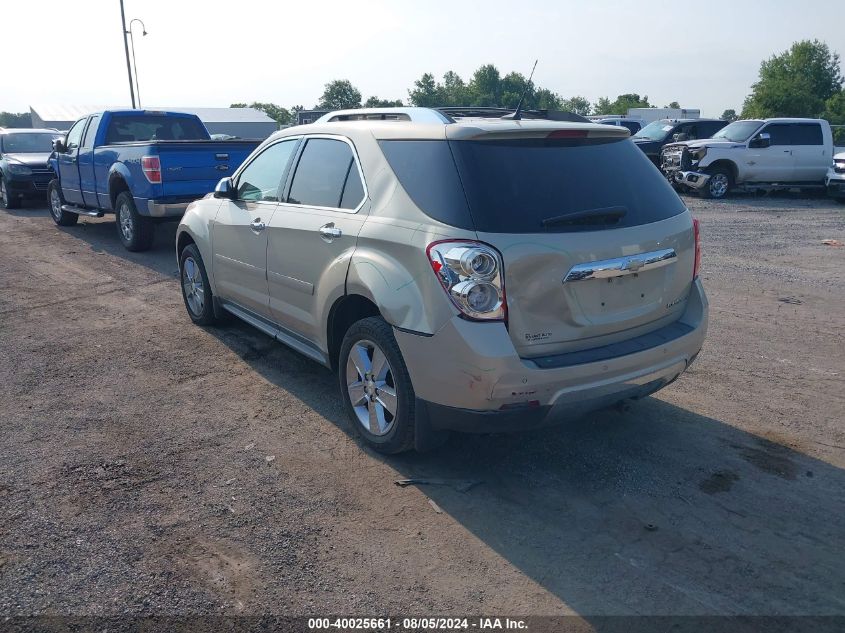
pixel 803 81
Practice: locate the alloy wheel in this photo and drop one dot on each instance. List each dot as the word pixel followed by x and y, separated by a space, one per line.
pixel 124 217
pixel 371 388
pixel 193 287
pixel 55 204
pixel 718 185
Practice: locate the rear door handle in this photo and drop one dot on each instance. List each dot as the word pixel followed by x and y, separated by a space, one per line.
pixel 330 231
pixel 257 225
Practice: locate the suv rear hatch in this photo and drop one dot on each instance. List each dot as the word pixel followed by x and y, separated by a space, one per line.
pixel 596 246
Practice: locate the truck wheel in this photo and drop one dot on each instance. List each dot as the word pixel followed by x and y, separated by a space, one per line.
pixel 720 183
pixel 375 386
pixel 8 201
pixel 196 291
pixel 135 231
pixel 54 195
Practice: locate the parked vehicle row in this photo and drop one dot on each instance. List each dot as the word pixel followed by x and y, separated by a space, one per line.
pixel 753 154
pixel 471 274
pixel 144 166
pixel 653 137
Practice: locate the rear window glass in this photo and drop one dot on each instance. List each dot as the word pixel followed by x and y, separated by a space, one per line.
pixel 125 129
pixel 807 134
pixel 512 186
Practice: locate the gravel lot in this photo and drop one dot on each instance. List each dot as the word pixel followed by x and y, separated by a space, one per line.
pixel 134 472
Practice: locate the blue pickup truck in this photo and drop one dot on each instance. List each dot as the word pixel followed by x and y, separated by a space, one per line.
pixel 143 166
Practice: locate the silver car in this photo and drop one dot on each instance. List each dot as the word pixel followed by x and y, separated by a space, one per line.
pixel 473 275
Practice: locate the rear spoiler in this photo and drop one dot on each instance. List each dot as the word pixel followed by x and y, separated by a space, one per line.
pixel 535 130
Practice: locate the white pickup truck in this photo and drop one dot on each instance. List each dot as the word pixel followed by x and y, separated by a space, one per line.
pixel 752 154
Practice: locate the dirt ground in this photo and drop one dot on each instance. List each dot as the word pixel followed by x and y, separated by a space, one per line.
pixel 136 473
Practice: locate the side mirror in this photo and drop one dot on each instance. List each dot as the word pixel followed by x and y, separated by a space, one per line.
pixel 680 136
pixel 59 146
pixel 764 139
pixel 225 189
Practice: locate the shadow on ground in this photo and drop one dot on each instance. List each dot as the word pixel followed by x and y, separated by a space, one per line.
pixel 655 510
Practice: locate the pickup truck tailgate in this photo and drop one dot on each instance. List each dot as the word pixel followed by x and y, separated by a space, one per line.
pixel 194 167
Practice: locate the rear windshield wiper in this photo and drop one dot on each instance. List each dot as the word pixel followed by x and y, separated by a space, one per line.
pixel 606 215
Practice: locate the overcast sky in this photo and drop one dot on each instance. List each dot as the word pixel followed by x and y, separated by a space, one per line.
pixel 213 53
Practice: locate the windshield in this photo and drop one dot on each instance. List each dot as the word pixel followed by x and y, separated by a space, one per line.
pixel 739 131
pixel 656 131
pixel 512 186
pixel 28 143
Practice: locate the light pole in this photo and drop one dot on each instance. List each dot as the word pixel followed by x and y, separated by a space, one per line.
pixel 134 63
pixel 126 49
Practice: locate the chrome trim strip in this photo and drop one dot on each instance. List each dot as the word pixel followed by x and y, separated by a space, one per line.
pixel 619 266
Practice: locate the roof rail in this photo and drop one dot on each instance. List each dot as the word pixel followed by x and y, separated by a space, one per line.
pixel 446 114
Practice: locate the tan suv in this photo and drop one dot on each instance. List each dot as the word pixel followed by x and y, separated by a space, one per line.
pixel 473 274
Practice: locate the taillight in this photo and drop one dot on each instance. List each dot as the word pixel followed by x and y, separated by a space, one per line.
pixel 697 265
pixel 151 166
pixel 472 275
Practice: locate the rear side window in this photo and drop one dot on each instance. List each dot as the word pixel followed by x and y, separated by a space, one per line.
pixel 512 186
pixel 91 131
pixel 327 176
pixel 426 170
pixel 807 134
pixel 125 129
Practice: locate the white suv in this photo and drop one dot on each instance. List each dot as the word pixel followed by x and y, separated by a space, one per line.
pixel 753 154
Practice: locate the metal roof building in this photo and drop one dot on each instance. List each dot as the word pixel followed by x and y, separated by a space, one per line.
pixel 242 122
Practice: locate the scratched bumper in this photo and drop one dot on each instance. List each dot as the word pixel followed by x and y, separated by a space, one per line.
pixel 470 378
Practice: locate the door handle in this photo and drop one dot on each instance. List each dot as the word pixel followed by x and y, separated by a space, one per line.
pixel 257 225
pixel 329 232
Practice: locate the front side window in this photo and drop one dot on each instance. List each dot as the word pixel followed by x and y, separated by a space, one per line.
pixel 327 176
pixel 75 135
pixel 262 178
pixel 780 134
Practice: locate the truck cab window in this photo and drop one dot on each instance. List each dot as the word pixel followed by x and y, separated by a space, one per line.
pixel 75 135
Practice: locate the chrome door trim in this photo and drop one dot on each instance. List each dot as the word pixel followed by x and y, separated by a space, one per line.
pixel 619 266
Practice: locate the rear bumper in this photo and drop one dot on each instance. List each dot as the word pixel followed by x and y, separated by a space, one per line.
pixel 468 377
pixel 165 208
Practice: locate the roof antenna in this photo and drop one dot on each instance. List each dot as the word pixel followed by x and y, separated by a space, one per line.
pixel 517 115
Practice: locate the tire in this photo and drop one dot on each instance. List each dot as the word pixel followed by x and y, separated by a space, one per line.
pixel 366 398
pixel 7 201
pixel 720 183
pixel 56 200
pixel 196 291
pixel 135 231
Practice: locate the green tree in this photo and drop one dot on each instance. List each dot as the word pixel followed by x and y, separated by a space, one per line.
pixel 279 114
pixel 578 105
pixel 375 102
pixel 485 87
pixel 627 101
pixel 511 88
pixel 12 119
pixel 545 99
pixel 603 106
pixel 674 105
pixel 340 94
pixel 834 112
pixel 425 94
pixel 729 115
pixel 796 83
pixel 453 91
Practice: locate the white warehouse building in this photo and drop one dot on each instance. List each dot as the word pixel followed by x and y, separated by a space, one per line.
pixel 246 123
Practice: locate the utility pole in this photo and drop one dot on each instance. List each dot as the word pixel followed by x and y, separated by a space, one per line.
pixel 126 48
